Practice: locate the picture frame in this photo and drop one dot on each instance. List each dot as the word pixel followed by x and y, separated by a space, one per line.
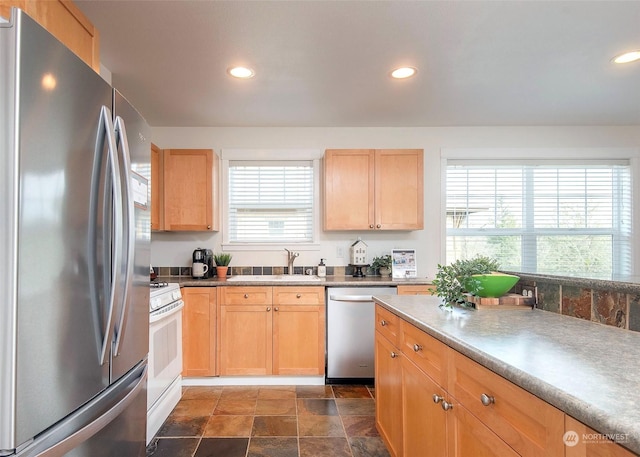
pixel 403 264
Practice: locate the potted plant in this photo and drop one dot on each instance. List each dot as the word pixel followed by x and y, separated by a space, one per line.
pixel 452 281
pixel 222 261
pixel 382 264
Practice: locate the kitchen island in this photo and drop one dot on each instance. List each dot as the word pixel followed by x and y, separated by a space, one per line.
pixel 587 370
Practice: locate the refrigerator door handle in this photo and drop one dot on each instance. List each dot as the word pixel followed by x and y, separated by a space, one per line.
pixel 129 229
pixel 59 440
pixel 105 134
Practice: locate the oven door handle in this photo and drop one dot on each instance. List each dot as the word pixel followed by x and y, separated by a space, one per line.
pixel 158 317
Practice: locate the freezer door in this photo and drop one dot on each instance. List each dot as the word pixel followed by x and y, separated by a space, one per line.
pixel 132 322
pixel 54 313
pixel 109 425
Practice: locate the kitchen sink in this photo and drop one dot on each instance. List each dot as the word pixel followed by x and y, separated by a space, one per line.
pixel 279 278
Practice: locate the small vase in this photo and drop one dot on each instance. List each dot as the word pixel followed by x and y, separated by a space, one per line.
pixel 222 272
pixel 384 271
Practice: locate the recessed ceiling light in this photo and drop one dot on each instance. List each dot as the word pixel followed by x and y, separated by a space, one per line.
pixel 627 57
pixel 241 72
pixel 403 72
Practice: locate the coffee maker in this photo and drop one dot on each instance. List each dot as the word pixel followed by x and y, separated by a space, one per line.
pixel 204 257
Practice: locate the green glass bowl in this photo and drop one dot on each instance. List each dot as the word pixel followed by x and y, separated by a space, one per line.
pixel 495 285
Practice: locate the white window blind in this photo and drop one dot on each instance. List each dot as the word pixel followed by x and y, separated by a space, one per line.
pixel 270 202
pixel 556 218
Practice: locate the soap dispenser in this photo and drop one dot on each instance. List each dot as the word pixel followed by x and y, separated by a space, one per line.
pixel 322 269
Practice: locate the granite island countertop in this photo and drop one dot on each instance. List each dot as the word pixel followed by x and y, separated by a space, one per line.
pixel 588 370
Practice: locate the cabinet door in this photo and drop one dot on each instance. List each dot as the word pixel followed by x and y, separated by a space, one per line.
pixel 245 340
pixel 388 383
pixel 66 22
pixel 298 339
pixel 528 424
pixel 424 421
pixel 348 189
pixel 189 189
pixel 399 189
pixel 595 448
pixel 157 185
pixel 415 289
pixel 199 331
pixel 467 436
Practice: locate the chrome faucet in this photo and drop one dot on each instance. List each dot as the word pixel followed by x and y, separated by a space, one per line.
pixel 291 256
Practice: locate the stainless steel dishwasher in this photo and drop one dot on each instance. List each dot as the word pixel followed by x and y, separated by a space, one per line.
pixel 350 333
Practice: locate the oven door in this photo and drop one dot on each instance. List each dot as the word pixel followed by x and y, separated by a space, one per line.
pixel 165 350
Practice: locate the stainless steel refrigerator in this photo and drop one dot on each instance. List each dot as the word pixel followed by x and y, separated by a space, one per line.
pixel 74 254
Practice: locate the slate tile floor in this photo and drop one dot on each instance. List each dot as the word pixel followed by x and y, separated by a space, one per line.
pixel 271 421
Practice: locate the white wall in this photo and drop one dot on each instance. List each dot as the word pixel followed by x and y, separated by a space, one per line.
pixel 174 249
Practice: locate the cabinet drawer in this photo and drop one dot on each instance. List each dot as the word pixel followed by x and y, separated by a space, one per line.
pixel 528 424
pixel 415 290
pixel 388 324
pixel 250 295
pixel 295 295
pixel 429 354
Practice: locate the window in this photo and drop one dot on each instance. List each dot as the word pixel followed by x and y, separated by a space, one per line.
pixel 271 202
pixel 545 217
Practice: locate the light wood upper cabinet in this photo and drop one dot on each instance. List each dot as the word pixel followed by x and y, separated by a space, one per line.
pixel 66 22
pixel 190 189
pixel 373 189
pixel 157 188
pixel 199 331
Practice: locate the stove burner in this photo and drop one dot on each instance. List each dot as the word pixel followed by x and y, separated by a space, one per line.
pixel 158 285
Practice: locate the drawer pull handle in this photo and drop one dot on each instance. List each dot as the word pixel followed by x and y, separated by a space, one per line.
pixel 383 322
pixel 437 398
pixel 246 295
pixel 417 347
pixel 298 295
pixel 268 308
pixel 275 309
pixel 371 226
pixel 446 405
pixel 487 399
pixel 393 355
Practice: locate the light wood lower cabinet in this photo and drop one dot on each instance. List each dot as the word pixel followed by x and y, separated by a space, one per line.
pixel 589 443
pixel 388 384
pixel 452 406
pixel 415 289
pixel 272 330
pixel 199 331
pixel 424 421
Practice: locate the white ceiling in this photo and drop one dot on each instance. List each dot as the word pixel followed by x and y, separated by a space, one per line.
pixel 327 63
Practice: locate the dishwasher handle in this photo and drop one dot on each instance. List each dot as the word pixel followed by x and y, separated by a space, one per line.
pixel 352 298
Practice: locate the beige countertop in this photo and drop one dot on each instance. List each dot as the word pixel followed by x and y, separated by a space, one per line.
pixel 329 281
pixel 588 370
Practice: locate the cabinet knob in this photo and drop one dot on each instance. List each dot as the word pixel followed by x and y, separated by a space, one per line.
pixel 208 227
pixel 437 398
pixel 393 355
pixel 383 322
pixel 417 347
pixel 275 309
pixel 487 399
pixel 446 405
pixel 246 295
pixel 371 226
pixel 378 226
pixel 298 295
pixel 268 308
